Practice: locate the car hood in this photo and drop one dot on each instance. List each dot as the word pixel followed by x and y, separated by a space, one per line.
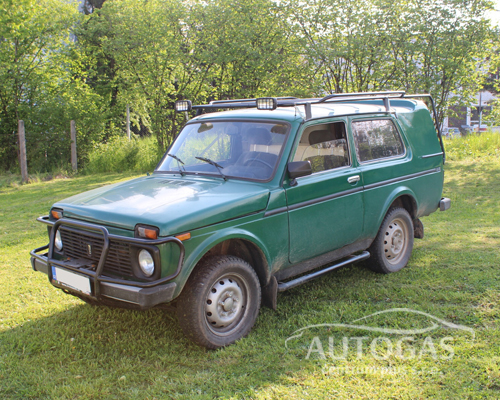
pixel 172 204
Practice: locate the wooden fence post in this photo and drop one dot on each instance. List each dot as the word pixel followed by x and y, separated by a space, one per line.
pixel 73 146
pixel 128 122
pixel 22 151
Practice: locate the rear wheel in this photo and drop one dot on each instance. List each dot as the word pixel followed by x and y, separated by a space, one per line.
pixel 391 249
pixel 220 302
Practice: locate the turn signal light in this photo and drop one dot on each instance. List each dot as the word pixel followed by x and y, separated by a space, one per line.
pixel 184 236
pixel 147 233
pixel 56 214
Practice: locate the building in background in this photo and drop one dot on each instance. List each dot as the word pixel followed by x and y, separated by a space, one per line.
pixel 468 119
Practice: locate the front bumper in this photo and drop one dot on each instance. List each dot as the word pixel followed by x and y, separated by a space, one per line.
pixel 97 286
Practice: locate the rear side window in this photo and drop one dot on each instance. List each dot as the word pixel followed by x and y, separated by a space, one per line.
pixel 376 139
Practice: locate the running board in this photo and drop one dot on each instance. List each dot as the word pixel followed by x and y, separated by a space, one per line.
pixel 282 286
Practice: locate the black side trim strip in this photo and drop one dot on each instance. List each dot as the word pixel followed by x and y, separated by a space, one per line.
pixel 311 202
pixel 403 178
pixel 433 155
pixel 324 198
pixel 275 211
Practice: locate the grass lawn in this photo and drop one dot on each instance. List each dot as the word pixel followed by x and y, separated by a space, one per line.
pixel 55 346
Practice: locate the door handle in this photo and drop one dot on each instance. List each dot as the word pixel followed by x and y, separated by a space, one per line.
pixel 353 179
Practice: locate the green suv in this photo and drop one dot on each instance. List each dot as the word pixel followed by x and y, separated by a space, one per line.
pixel 250 202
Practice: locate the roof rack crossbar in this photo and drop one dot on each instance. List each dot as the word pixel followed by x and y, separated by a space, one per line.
pixel 247 100
pixel 213 102
pixel 224 105
pixel 398 93
pixel 386 100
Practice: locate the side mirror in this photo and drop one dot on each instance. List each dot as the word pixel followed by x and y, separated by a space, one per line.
pixel 297 169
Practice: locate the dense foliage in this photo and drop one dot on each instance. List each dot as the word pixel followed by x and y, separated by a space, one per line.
pixel 62 61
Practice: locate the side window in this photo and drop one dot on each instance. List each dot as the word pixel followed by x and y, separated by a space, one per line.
pixel 376 139
pixel 324 146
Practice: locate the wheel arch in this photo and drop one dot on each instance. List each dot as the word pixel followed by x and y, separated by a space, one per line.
pixel 402 197
pixel 407 202
pixel 245 249
pixel 237 243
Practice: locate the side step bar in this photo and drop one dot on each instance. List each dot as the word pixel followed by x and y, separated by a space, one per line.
pixel 282 286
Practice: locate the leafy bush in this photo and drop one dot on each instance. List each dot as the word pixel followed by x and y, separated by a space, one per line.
pixel 119 154
pixel 483 145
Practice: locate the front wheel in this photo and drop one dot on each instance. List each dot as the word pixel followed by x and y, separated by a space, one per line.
pixel 220 302
pixel 391 249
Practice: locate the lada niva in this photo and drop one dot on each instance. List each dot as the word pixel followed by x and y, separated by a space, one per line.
pixel 252 201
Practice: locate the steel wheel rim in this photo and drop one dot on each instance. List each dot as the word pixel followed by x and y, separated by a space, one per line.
pixel 226 304
pixel 395 241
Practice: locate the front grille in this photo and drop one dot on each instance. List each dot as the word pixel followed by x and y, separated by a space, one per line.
pixel 85 245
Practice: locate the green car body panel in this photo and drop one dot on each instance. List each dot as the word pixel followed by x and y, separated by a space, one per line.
pixel 281 226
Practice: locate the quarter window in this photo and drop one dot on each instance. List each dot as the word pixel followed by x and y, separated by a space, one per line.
pixel 376 139
pixel 324 146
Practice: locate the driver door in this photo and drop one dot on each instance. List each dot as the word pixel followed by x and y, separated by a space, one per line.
pixel 326 207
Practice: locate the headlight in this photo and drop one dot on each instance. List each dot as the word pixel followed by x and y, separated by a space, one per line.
pixel 58 241
pixel 146 262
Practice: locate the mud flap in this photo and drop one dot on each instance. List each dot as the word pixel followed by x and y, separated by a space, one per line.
pixel 418 229
pixel 270 294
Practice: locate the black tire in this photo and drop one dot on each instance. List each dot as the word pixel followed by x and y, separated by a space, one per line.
pixel 392 247
pixel 220 302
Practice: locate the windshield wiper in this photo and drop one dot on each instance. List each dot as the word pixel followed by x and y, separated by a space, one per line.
pixel 219 167
pixel 179 162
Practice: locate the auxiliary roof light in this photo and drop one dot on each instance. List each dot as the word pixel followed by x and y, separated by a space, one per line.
pixel 183 105
pixel 267 103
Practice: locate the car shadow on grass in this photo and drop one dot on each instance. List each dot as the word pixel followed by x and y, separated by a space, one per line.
pixel 100 352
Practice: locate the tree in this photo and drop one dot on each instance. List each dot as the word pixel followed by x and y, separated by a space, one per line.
pixel 165 50
pixel 145 42
pixel 427 46
pixel 345 43
pixel 250 47
pixel 446 46
pixel 33 33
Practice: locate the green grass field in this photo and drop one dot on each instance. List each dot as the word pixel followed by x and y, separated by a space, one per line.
pixel 55 346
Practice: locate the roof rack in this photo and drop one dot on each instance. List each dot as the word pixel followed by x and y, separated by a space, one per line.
pixel 271 103
pixel 293 101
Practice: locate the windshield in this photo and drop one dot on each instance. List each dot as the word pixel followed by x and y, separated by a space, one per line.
pixel 248 150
